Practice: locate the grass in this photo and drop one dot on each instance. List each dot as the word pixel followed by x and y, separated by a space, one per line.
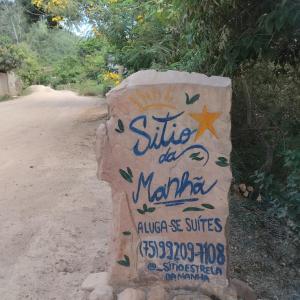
pixel 5 98
pixel 86 88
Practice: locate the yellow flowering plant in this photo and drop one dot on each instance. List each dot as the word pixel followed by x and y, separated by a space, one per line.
pixel 53 7
pixel 112 79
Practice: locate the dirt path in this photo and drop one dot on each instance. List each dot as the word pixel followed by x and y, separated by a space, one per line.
pixel 54 214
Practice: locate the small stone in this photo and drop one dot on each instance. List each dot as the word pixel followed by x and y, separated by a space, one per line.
pixel 102 293
pixel 250 188
pixel 243 187
pixel 95 280
pixel 63 266
pixel 157 293
pixel 132 294
pixel 246 194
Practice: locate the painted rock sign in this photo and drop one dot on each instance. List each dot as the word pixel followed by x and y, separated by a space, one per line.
pixel 165 152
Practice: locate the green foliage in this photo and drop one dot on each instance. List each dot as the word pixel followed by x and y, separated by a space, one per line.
pixel 281 191
pixel 83 69
pixel 10 56
pixel 85 88
pixel 231 32
pixel 4 98
pixel 51 45
pixel 265 133
pixel 90 88
pixel 30 69
pixel 93 53
pixel 19 58
pixel 265 115
pixel 12 20
pixel 63 58
pixel 67 71
pixel 214 37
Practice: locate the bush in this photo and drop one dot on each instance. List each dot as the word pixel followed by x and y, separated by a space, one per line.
pixel 281 193
pixel 85 88
pixel 90 88
pixel 10 56
pixel 265 134
pixel 19 58
pixel 4 98
pixel 30 70
pixel 265 115
pixel 68 70
pixel 51 45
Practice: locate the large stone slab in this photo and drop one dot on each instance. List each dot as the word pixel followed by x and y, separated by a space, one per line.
pixel 9 84
pixel 165 152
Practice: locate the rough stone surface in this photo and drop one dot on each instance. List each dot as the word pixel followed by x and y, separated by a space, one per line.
pixel 158 293
pixel 165 152
pixel 94 280
pixel 243 289
pixel 132 294
pixel 191 297
pixel 4 88
pixel 223 293
pixel 102 293
pixel 9 84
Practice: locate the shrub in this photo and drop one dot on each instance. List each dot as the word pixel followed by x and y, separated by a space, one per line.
pixel 68 70
pixel 90 88
pixel 265 134
pixel 281 193
pixel 30 70
pixel 10 56
pixel 19 58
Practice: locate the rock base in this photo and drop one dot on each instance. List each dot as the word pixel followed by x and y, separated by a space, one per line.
pixel 96 287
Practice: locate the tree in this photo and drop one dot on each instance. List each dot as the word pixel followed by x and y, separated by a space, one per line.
pixel 12 20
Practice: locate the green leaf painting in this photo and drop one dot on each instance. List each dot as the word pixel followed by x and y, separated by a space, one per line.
pixel 195 156
pixel 126 233
pixel 127 175
pixel 129 172
pixel 120 127
pixel 193 209
pixel 222 162
pixel 208 206
pixel 146 209
pixel 125 262
pixel 191 100
pixel 141 211
pixel 151 209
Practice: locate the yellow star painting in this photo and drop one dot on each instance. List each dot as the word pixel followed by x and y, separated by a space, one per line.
pixel 205 121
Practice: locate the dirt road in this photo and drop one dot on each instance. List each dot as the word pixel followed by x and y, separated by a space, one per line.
pixel 54 213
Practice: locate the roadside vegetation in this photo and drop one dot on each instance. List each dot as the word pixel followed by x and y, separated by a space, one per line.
pixel 42 49
pixel 256 43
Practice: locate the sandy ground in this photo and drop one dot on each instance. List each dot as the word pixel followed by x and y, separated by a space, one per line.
pixel 54 213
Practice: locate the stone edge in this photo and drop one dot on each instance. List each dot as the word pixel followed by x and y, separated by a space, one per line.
pixel 153 77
